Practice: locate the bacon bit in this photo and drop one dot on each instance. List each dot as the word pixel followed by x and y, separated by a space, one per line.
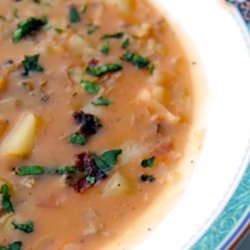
pixel 82 185
pixel 85 163
pixel 89 123
pixel 93 62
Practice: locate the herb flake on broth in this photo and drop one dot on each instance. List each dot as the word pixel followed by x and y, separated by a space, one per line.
pixel 137 60
pixel 17 245
pixel 74 16
pixel 30 64
pixel 100 101
pixel 99 71
pixel 6 199
pixel 90 87
pixel 27 227
pixel 117 35
pixel 28 27
pixel 148 163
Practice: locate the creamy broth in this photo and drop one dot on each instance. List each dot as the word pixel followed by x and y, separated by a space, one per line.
pixel 144 107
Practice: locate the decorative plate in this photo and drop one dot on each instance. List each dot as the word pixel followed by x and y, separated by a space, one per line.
pixel 215 208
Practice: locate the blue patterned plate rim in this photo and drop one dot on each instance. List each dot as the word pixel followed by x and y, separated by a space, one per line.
pixel 235 216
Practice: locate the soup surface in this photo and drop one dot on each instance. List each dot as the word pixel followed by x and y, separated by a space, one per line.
pixel 95 110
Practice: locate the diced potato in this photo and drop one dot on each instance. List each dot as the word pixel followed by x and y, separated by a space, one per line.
pixel 143 30
pixel 76 75
pixel 3 84
pixel 154 100
pixel 91 109
pixel 122 5
pixel 118 184
pixel 132 150
pixel 3 126
pixel 21 140
pixel 78 44
pixel 159 94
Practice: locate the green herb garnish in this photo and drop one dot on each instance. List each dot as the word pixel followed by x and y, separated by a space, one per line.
pixel 37 1
pixel 28 27
pixel 6 200
pixel 27 227
pixel 91 179
pixel 58 30
pixel 30 170
pixel 100 101
pixel 63 170
pixel 13 246
pixel 106 160
pixel 83 8
pixel 110 156
pixel 102 70
pixel 117 35
pixel 105 48
pixel 77 139
pixel 90 87
pixel 35 170
pixel 30 64
pixel 126 43
pixel 74 16
pixel 92 30
pixel 147 163
pixel 137 60
pixel 151 68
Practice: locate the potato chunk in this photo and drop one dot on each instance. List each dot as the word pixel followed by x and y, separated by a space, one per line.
pixel 21 139
pixel 79 45
pixel 118 184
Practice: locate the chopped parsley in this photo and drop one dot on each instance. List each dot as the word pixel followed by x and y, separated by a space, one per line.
pixel 64 170
pixel 30 64
pixel 125 43
pixel 6 200
pixel 17 245
pixel 147 163
pixel 107 160
pixel 58 30
pixel 105 48
pixel 39 170
pixel 37 1
pixel 110 156
pixel 147 178
pixel 90 179
pixel 90 87
pixel 151 68
pixel 27 227
pixel 102 70
pixel 74 16
pixel 30 170
pixel 77 139
pixel 117 35
pixel 137 60
pixel 100 101
pixel 83 8
pixel 92 30
pixel 28 27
